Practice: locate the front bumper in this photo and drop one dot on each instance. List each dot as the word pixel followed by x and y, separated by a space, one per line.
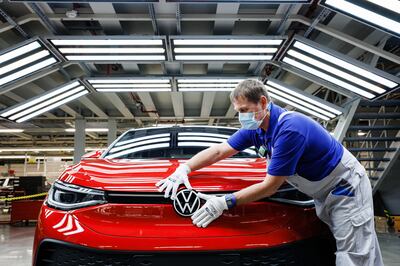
pixel 316 251
pixel 126 233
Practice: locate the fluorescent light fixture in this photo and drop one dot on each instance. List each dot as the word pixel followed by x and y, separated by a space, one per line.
pixel 134 90
pixel 382 14
pixel 298 106
pixel 225 48
pixel 49 100
pixel 103 42
pixel 131 85
pixel 205 89
pixel 310 104
pixel 96 86
pixel 223 57
pixel 308 98
pixel 339 69
pixel 110 49
pixel 11 130
pixel 130 81
pixel 207 84
pixel 23 60
pixel 216 80
pixel 88 130
pixel 393 5
pixel 115 58
pixel 231 42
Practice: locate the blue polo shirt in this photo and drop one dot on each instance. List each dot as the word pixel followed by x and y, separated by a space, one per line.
pixel 295 144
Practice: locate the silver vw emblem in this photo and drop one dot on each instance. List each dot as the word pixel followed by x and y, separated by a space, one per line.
pixel 186 202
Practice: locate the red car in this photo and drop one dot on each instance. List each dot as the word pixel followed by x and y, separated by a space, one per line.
pixel 106 209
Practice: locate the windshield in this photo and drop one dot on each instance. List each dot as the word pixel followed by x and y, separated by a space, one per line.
pixel 171 142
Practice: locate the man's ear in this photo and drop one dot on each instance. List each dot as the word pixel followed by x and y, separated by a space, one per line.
pixel 264 102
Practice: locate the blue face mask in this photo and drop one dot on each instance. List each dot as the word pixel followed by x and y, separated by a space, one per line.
pixel 248 121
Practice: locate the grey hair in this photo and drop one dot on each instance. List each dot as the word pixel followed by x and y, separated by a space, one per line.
pixel 250 89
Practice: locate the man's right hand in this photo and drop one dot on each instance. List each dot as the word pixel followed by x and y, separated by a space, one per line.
pixel 180 176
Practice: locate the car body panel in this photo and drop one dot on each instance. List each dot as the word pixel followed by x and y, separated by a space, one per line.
pixel 142 175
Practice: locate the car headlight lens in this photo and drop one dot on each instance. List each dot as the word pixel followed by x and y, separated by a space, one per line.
pixel 66 196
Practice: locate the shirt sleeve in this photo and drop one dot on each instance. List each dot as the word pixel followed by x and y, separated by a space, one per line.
pixel 288 148
pixel 240 140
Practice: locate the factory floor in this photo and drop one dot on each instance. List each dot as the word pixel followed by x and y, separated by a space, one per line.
pixel 16 245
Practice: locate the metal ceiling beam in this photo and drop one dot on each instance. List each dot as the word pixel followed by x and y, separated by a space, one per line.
pixel 177 104
pixel 207 104
pixel 231 112
pixel 148 104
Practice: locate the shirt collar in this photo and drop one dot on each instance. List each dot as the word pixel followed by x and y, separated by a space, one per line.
pixel 275 112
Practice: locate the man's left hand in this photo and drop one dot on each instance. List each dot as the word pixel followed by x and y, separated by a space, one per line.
pixel 211 210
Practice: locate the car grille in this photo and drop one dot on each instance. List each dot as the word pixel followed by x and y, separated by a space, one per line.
pixel 307 253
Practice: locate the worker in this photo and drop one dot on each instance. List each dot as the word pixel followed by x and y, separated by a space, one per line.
pixel 301 152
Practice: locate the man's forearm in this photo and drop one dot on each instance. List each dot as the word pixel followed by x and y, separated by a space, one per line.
pixel 260 190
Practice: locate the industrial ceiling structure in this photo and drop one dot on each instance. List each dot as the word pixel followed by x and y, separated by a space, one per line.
pixel 129 64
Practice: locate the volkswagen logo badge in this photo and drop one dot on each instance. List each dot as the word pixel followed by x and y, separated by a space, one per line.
pixel 186 202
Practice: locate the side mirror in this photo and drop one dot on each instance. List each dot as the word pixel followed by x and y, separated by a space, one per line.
pixel 92 155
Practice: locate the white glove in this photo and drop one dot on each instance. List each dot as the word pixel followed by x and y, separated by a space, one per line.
pixel 211 210
pixel 180 176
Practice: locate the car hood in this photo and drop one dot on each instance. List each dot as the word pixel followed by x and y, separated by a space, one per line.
pixel 141 175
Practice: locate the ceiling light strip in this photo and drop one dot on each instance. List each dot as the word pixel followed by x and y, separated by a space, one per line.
pixel 206 85
pixel 345 65
pixel 134 90
pixel 53 106
pixel 303 97
pixel 24 61
pixel 48 102
pixel 327 77
pixel 133 81
pixel 336 72
pixel 298 106
pixel 223 57
pixel 27 70
pixel 210 80
pixel 208 50
pixel 131 86
pixel 99 42
pixel 300 102
pixel 40 99
pixel 226 42
pixel 204 89
pixel 19 51
pixel 112 50
pixel 115 57
pixel 365 14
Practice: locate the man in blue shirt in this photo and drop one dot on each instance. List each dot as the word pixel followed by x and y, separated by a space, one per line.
pixel 302 153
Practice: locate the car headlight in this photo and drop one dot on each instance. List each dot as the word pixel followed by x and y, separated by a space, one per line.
pixel 66 196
